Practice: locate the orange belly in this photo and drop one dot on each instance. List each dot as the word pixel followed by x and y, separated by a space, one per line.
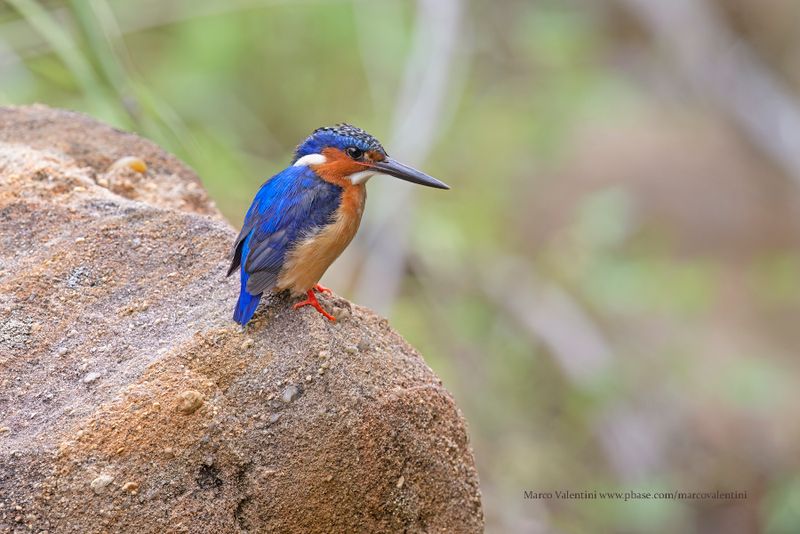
pixel 307 262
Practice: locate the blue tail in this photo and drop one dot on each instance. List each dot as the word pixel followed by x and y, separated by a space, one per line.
pixel 247 304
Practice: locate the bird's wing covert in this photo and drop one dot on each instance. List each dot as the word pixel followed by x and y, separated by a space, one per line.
pixel 290 206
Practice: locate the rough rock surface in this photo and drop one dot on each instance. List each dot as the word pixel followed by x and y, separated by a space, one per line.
pixel 130 402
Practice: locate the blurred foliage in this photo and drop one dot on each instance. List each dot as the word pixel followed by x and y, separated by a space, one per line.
pixel 575 150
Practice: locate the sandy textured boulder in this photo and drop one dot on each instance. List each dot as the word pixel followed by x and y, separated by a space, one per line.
pixel 130 402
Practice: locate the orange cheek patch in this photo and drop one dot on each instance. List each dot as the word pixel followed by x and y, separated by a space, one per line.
pixel 337 168
pixel 374 155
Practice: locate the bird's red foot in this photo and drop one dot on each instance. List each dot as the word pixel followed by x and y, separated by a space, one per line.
pixel 312 301
pixel 322 289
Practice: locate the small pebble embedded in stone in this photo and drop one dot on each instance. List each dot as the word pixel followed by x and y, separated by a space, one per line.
pixel 91 377
pixel 190 401
pixel 100 483
pixel 290 393
pixel 130 162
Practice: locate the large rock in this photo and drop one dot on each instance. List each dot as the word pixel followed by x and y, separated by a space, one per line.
pixel 129 400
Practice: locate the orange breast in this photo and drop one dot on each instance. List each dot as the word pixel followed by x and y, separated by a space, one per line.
pixel 307 262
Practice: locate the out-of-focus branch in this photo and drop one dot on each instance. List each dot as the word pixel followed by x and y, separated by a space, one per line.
pixel 549 315
pixel 543 311
pixel 417 120
pixel 725 70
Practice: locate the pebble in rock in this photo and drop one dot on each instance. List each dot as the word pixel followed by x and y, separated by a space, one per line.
pixel 100 483
pixel 91 377
pixel 290 393
pixel 190 401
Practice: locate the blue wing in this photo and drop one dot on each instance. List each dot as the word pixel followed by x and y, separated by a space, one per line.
pixel 288 207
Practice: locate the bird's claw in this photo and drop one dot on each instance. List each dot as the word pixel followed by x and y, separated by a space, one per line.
pixel 312 301
pixel 322 289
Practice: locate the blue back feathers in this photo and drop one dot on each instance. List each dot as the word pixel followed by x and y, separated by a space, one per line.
pixel 290 206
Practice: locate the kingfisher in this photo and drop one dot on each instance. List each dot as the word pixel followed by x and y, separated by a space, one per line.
pixel 302 218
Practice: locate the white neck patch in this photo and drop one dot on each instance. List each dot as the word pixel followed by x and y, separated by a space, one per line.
pixel 311 159
pixel 361 177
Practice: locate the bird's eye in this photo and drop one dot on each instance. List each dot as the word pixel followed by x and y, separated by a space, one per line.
pixel 353 152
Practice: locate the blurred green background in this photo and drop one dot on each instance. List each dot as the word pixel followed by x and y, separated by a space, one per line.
pixel 610 290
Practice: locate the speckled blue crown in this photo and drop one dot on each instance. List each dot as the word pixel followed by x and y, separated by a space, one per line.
pixel 340 136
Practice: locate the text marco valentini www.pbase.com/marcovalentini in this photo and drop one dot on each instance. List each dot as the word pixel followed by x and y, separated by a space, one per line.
pixel 633 495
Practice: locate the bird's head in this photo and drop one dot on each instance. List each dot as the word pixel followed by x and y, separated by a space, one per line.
pixel 347 155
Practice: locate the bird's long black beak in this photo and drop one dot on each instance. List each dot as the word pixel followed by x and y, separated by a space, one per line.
pixel 409 174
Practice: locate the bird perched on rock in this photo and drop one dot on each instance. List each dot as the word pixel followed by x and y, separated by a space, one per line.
pixel 303 217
